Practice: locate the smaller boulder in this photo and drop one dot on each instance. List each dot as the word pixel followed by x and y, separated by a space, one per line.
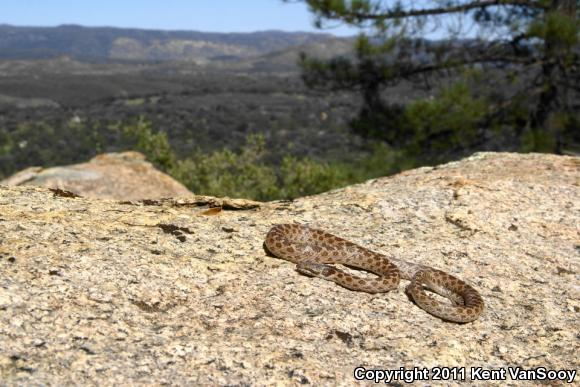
pixel 117 176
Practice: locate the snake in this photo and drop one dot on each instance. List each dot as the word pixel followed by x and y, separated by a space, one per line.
pixel 314 251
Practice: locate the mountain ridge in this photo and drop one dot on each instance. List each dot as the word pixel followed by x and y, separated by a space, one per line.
pixel 134 44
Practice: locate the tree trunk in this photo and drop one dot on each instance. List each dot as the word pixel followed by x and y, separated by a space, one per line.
pixel 553 96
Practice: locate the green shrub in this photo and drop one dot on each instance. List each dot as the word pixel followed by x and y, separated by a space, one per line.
pixel 445 123
pixel 301 177
pixel 246 174
pixel 154 146
pixel 227 173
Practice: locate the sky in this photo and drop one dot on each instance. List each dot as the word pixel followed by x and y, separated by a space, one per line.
pixel 199 15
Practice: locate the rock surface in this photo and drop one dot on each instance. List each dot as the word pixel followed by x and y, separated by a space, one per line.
pixel 120 176
pixel 181 291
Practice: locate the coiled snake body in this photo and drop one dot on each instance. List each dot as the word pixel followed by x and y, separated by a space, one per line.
pixel 312 250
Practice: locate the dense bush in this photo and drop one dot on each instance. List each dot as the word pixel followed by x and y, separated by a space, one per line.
pixel 254 170
pixel 445 124
pixel 39 143
pixel 246 173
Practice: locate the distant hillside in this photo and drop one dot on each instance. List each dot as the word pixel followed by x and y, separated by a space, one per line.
pixel 286 60
pixel 107 43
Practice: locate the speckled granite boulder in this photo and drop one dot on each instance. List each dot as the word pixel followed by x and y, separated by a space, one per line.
pixel 120 176
pixel 181 291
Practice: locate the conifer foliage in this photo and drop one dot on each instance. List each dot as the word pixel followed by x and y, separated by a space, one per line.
pixel 499 71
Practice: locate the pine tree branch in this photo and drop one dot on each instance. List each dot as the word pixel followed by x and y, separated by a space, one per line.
pixel 409 70
pixel 468 62
pixel 398 14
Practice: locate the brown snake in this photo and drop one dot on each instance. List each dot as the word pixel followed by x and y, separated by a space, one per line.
pixel 312 250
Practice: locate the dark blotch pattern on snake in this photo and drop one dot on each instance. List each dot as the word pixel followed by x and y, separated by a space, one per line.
pixel 313 250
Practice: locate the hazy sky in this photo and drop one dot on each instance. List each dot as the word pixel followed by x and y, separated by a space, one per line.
pixel 201 15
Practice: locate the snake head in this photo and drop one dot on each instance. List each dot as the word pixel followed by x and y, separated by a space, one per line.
pixel 315 269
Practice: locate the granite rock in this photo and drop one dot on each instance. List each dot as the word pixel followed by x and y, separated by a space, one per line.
pixel 120 176
pixel 181 291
